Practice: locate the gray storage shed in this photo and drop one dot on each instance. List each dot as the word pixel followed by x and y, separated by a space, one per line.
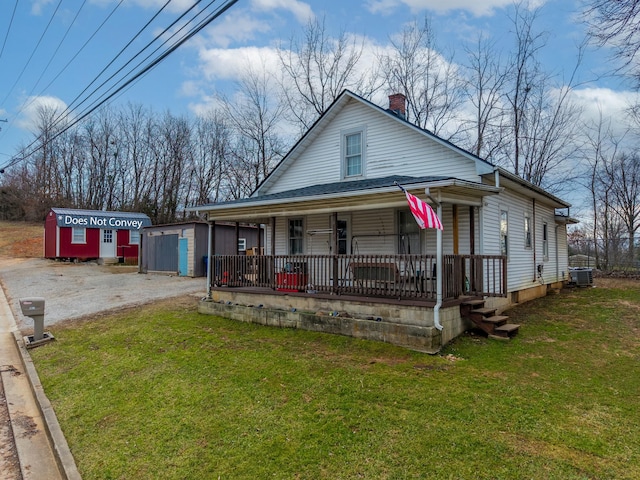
pixel 181 248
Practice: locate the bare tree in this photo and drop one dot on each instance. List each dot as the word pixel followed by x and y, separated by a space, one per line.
pixel 543 119
pixel 616 24
pixel 429 81
pixel 601 145
pixel 524 73
pixel 212 147
pixel 255 114
pixel 622 177
pixel 316 69
pixel 485 91
pixel 134 155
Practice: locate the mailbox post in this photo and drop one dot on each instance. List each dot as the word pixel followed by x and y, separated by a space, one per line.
pixel 33 307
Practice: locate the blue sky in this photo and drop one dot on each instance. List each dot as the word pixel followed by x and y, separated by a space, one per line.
pixel 247 34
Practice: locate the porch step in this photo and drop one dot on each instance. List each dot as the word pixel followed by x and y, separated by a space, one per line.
pixel 496 320
pixel 495 326
pixel 473 303
pixel 484 311
pixel 508 330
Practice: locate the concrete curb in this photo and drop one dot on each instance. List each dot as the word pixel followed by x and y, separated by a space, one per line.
pixel 62 453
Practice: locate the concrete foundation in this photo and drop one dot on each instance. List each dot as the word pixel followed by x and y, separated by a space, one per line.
pixel 408 325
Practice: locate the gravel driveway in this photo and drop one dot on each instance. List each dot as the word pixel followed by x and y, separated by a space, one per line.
pixel 74 290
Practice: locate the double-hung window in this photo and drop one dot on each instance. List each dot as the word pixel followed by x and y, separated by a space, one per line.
pixel 545 241
pixel 134 237
pixel 78 235
pixel 504 230
pixel 408 233
pixel 353 153
pixel 527 230
pixel 296 230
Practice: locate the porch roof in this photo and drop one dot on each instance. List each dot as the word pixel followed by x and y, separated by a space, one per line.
pixel 368 194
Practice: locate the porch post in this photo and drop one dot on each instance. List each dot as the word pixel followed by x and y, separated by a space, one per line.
pixel 273 252
pixel 237 238
pixel 210 240
pixel 334 249
pixel 439 269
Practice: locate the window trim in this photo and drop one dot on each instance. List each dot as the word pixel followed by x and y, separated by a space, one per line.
pixel 131 242
pixel 528 237
pixel 104 235
pixel 545 241
pixel 343 151
pixel 504 251
pixel 289 238
pixel 405 214
pixel 73 235
pixel 242 244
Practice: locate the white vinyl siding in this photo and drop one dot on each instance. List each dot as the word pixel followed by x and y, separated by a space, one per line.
pixel 560 233
pixel 388 145
pixel 522 264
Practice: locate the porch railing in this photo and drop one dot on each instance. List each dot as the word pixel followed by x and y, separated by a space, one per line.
pixel 391 276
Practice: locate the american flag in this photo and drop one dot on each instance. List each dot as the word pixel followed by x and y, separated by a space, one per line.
pixel 422 212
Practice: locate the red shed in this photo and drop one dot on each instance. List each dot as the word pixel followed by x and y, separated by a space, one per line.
pixel 89 234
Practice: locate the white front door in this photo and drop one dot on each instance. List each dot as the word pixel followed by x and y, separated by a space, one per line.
pixel 107 244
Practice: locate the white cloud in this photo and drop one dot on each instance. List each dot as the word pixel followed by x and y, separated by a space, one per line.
pixel 231 64
pixel 301 10
pixel 38 6
pixel 174 6
pixel 29 118
pixel 236 26
pixel 477 7
pixel 606 103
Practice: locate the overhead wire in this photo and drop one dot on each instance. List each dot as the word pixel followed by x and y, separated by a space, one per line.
pixel 32 100
pixel 32 54
pixel 13 14
pixel 160 35
pixel 125 82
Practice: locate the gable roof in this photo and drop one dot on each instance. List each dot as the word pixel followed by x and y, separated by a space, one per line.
pixel 482 166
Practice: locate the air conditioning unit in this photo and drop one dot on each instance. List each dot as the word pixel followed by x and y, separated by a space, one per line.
pixel 582 277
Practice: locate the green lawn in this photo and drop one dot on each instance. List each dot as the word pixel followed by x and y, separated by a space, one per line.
pixel 162 392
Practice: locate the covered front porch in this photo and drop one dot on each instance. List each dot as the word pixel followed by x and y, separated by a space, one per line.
pixel 348 258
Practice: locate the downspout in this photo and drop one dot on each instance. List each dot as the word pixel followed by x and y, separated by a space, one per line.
pixel 439 269
pixel 557 257
pixel 209 251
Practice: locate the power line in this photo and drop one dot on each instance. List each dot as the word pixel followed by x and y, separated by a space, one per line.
pixel 9 28
pixel 30 149
pixel 32 53
pixel 106 19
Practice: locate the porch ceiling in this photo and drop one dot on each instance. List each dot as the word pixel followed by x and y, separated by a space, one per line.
pixel 260 210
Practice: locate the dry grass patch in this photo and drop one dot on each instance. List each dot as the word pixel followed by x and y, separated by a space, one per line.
pixel 21 239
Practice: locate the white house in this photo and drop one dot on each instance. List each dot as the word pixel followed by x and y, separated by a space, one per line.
pixel 340 236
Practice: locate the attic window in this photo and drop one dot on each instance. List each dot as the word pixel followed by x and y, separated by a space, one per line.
pixel 352 148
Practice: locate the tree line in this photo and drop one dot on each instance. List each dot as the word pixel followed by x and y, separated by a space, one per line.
pixel 500 104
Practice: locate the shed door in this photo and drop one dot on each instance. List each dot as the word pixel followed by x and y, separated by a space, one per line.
pixel 164 253
pixel 183 257
pixel 107 243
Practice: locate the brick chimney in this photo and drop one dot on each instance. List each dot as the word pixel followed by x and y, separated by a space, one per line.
pixel 397 104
